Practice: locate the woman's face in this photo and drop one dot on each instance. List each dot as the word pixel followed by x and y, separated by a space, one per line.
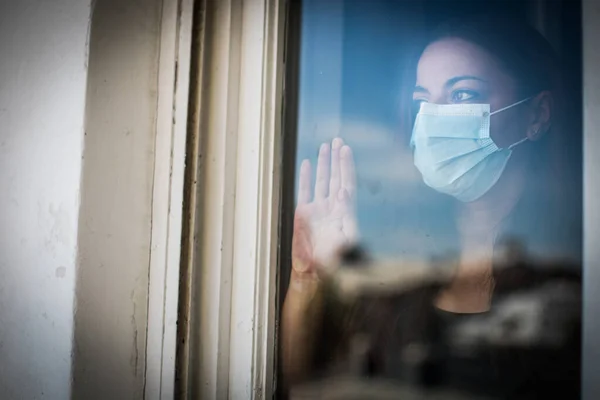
pixel 454 71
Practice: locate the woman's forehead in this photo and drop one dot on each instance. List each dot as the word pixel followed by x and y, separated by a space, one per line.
pixel 445 59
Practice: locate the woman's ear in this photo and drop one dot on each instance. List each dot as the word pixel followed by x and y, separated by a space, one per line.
pixel 542 106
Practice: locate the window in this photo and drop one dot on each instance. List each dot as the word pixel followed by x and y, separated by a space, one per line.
pixel 273 80
pixel 444 139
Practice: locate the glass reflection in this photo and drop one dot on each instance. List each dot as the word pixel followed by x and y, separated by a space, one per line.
pixel 455 162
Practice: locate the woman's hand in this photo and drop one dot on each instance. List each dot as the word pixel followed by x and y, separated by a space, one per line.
pixel 323 223
pixel 325 220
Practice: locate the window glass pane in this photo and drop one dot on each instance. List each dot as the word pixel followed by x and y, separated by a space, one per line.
pixel 444 139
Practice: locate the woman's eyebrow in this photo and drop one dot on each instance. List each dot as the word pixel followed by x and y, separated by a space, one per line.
pixel 420 89
pixel 452 81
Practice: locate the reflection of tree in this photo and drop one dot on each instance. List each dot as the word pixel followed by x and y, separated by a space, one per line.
pixel 511 250
pixel 394 321
pixel 353 256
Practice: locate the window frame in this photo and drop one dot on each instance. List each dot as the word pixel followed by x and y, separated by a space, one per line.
pixel 591 192
pixel 228 270
pixel 167 197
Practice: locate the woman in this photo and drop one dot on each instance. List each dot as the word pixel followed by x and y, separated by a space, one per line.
pixel 486 97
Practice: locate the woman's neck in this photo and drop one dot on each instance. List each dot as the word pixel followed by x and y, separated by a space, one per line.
pixel 479 225
pixel 481 220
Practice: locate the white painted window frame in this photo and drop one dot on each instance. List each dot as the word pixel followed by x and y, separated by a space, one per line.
pixel 237 262
pixel 234 262
pixel 167 207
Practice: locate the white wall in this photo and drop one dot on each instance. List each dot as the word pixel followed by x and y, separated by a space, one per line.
pixel 43 63
pixel 76 177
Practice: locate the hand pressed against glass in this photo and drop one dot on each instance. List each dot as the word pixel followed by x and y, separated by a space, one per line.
pixel 325 220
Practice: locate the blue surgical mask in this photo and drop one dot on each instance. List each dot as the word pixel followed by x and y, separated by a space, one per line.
pixel 453 149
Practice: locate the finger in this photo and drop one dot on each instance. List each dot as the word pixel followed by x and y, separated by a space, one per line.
pixel 348 172
pixel 322 183
pixel 304 183
pixel 349 224
pixel 335 179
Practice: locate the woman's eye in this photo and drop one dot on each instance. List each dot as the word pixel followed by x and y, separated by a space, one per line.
pixel 459 96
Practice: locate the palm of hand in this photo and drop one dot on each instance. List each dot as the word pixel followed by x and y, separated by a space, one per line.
pixel 327 223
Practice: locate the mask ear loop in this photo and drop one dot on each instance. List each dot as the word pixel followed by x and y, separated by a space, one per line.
pixel 517 143
pixel 511 106
pixel 522 140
